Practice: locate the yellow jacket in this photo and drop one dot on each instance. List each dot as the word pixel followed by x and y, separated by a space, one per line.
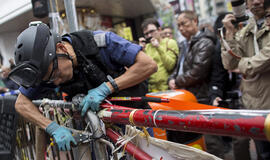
pixel 165 56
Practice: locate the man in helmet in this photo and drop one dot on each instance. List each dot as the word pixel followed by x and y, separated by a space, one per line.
pixel 99 63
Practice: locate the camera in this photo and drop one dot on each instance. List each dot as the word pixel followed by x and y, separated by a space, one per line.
pixel 239 11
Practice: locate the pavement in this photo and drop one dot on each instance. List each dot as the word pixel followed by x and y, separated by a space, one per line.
pixel 252 149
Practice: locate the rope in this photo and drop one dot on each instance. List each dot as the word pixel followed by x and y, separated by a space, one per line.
pixel 131 115
pixel 154 117
pixel 123 141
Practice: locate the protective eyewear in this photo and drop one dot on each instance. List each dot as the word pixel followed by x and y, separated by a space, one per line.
pixel 52 76
pixel 25 75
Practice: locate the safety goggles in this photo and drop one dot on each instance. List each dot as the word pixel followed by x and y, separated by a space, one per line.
pixel 25 75
pixel 52 76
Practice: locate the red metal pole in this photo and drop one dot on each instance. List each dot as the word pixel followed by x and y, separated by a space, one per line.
pixel 243 123
pixel 130 147
pixel 144 99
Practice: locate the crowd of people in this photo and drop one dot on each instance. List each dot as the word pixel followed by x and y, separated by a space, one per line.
pixel 234 77
pixel 227 69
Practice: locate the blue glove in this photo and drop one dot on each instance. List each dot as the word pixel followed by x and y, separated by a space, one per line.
pixel 61 135
pixel 94 98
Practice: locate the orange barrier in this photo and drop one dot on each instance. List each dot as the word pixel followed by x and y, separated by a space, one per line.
pixel 178 100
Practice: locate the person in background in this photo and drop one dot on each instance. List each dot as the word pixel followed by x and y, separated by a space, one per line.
pixel 193 68
pixel 267 12
pixel 209 26
pixel 167 32
pixel 3 87
pixel 163 51
pixel 9 84
pixel 194 65
pixel 248 53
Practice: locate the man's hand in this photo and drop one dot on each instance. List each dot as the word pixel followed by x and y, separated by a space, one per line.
pixel 61 135
pixel 230 28
pixel 155 41
pixel 94 98
pixel 172 84
pixel 216 101
pixel 235 71
pixel 142 42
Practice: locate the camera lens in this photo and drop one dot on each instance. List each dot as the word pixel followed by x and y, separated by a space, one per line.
pixel 239 10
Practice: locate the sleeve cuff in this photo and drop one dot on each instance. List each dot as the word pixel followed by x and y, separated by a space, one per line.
pixel 244 66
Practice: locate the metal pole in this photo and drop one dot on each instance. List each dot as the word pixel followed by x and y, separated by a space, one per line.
pixel 244 123
pixel 52 9
pixel 71 15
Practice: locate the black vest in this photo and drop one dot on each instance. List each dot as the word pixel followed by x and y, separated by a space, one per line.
pixel 91 72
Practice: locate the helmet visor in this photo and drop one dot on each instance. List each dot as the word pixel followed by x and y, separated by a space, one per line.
pixel 25 75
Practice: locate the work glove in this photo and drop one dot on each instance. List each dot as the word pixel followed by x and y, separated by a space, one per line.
pixel 94 98
pixel 62 136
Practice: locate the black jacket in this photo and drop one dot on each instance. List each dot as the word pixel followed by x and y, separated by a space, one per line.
pixel 197 65
pixel 219 81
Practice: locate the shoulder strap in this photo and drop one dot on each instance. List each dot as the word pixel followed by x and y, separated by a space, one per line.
pixel 84 42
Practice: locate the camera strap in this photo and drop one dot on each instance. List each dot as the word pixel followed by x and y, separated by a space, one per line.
pixel 256 46
pixel 226 45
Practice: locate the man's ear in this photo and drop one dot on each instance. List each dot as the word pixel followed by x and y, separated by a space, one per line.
pixel 196 22
pixel 60 47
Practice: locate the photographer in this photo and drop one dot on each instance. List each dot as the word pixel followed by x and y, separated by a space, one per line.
pixel 164 52
pixel 247 51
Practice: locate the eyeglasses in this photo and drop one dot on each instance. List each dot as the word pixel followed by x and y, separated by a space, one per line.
pixel 52 76
pixel 149 32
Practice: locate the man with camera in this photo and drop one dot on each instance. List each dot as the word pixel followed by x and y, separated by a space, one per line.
pixel 247 51
pixel 164 51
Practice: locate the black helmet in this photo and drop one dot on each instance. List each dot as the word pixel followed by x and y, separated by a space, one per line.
pixel 35 50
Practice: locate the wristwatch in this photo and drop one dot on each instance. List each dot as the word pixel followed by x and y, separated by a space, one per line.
pixel 114 85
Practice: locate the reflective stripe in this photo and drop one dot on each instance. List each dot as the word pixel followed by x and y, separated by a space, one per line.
pixel 100 39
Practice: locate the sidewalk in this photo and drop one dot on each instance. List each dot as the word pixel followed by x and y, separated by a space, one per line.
pixel 253 154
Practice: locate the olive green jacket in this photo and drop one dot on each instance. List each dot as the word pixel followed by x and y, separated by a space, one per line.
pixel 165 56
pixel 255 69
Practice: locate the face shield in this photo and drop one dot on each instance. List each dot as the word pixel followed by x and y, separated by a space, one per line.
pixel 25 75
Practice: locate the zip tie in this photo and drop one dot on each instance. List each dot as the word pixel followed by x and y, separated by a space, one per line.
pixel 131 117
pixel 154 117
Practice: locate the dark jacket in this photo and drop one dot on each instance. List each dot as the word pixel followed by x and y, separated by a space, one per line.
pixel 197 65
pixel 219 81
